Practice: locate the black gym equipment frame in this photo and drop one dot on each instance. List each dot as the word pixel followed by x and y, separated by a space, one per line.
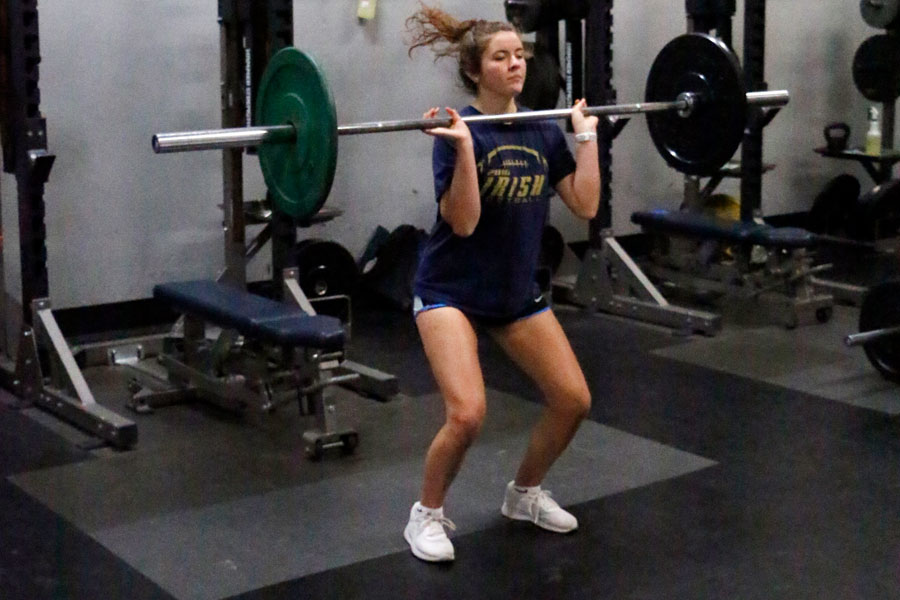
pixel 251 32
pixel 599 90
pixel 45 372
pixel 608 279
pixel 754 78
pixel 611 281
pixel 711 15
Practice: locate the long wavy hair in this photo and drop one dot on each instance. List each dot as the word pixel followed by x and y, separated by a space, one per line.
pixel 448 37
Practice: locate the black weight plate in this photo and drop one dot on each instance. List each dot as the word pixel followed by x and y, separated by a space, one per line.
pixel 544 82
pixel 293 90
pixel 325 268
pixel 876 68
pixel 881 309
pixel 833 206
pixel 524 14
pixel 701 143
pixel 877 211
pixel 880 13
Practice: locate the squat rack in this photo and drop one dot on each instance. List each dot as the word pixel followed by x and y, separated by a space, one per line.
pixel 44 371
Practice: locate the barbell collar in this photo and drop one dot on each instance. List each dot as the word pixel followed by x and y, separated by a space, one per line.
pixel 243 137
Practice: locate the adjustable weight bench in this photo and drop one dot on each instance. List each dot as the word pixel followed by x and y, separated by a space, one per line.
pixel 267 353
pixel 783 277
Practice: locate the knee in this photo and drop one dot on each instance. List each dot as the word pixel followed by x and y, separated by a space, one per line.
pixel 575 403
pixel 581 403
pixel 466 422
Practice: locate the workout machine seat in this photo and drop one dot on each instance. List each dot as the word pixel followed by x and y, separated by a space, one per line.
pixel 252 315
pixel 738 232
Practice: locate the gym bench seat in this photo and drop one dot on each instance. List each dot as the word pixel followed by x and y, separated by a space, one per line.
pixel 254 316
pixel 738 232
pixel 782 281
pixel 238 376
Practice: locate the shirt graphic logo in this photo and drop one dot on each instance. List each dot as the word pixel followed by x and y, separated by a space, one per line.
pixel 512 175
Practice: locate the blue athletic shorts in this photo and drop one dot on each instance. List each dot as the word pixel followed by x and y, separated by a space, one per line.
pixel 538 305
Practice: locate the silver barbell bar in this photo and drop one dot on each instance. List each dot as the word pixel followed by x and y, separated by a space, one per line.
pixel 244 137
pixel 867 337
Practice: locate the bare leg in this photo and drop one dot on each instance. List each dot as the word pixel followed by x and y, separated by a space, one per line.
pixel 452 350
pixel 540 348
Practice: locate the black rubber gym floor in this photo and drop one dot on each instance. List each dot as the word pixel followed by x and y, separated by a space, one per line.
pixel 768 491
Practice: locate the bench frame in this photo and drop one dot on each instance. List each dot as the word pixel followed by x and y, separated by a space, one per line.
pixel 611 281
pixel 199 360
pixel 47 375
pixel 776 277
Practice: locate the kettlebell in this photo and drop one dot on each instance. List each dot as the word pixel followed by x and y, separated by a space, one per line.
pixel 836 136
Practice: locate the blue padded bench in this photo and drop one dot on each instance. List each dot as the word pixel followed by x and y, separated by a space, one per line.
pixel 738 232
pixel 252 315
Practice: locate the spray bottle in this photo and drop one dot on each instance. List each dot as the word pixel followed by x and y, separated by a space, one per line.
pixel 873 135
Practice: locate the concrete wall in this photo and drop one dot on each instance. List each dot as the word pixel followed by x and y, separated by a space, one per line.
pixel 120 218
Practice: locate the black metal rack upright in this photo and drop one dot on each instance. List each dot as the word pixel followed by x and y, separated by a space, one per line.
pixel 587 73
pixel 42 369
pixel 706 16
pixel 250 33
pixel 754 77
pixel 23 131
pixel 599 90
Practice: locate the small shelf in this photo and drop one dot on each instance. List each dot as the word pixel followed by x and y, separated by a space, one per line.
pixel 733 169
pixel 879 167
pixel 258 212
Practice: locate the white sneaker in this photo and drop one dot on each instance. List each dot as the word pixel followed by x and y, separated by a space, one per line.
pixel 426 536
pixel 538 507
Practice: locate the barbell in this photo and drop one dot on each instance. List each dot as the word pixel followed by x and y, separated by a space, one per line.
pixel 695 102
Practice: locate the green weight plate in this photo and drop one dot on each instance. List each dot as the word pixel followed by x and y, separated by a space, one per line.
pixel 701 143
pixel 876 68
pixel 881 309
pixel 293 90
pixel 880 13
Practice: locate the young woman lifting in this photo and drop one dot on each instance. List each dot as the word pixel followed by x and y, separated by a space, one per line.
pixel 493 182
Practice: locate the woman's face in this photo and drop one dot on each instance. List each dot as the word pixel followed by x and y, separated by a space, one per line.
pixel 503 65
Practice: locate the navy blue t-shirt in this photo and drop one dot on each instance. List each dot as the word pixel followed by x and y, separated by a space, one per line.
pixel 491 273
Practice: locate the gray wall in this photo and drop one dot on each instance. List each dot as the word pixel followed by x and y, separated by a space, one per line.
pixel 120 218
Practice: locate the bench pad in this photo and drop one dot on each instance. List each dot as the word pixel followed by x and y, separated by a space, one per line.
pixel 738 232
pixel 252 315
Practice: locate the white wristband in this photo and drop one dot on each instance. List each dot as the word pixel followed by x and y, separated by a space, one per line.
pixel 585 136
